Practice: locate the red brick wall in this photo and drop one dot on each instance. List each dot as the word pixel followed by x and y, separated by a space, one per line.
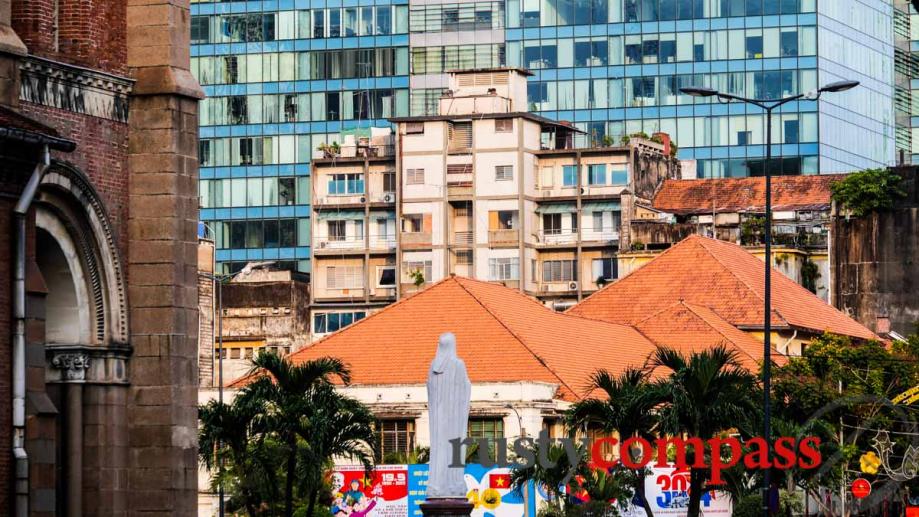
pixel 101 154
pixel 91 33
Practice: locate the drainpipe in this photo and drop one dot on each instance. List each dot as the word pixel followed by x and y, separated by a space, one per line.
pixel 21 501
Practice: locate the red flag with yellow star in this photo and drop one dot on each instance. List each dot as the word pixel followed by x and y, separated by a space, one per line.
pixel 499 481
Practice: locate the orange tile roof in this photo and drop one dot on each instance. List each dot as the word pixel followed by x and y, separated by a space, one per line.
pixel 691 328
pixel 501 334
pixel 722 277
pixel 744 194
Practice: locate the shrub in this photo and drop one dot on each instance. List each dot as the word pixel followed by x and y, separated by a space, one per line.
pixel 870 190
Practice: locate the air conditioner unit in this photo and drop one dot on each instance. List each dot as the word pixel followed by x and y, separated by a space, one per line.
pixel 363 199
pixel 572 286
pixel 389 197
pixel 323 244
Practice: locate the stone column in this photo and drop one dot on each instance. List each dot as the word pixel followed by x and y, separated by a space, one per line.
pixel 11 48
pixel 162 260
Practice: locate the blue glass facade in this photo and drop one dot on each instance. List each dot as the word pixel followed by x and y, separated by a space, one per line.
pixel 283 76
pixel 615 67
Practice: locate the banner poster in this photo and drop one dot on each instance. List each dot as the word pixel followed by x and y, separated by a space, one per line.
pixel 398 491
pixel 384 494
pixel 667 490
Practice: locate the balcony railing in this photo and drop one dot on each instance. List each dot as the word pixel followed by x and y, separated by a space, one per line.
pixel 387 241
pixel 416 239
pixel 459 190
pixel 340 243
pixel 599 235
pixel 557 236
pixel 508 236
pixel 464 238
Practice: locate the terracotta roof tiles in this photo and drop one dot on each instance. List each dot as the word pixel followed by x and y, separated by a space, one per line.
pixel 723 277
pixel 744 194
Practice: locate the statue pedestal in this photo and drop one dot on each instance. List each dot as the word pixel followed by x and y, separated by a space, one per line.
pixel 446 507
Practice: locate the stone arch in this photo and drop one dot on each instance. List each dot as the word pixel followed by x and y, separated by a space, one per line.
pixel 71 212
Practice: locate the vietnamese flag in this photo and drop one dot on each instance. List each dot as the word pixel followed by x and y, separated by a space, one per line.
pixel 499 481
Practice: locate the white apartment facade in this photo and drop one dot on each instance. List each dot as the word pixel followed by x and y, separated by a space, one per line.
pixel 484 190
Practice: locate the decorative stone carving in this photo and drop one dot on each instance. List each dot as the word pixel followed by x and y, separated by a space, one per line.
pixel 73 365
pixel 73 88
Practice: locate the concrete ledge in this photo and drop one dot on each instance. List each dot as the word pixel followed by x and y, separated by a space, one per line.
pixel 166 80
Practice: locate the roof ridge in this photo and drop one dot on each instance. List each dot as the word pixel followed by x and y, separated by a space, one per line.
pixel 517 336
pixel 693 308
pixel 619 281
pixel 735 276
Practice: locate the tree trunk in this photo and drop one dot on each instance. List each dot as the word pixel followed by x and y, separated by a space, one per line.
pixel 314 494
pixel 640 490
pixel 289 482
pixel 696 480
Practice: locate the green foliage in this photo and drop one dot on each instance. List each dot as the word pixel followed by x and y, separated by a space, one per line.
pixel 752 505
pixel 607 141
pixel 416 456
pixel 638 246
pixel 417 277
pixel 752 230
pixel 273 445
pixel 867 191
pixel 809 275
pixel 706 393
pixel 627 138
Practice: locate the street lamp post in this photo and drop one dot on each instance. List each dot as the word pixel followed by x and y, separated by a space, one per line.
pixel 768 105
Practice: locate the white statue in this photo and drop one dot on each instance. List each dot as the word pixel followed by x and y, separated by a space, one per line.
pixel 449 391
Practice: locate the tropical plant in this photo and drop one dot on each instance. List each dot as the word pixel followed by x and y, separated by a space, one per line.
pixel 868 191
pixel 417 277
pixel 415 456
pixel 242 460
pixel 627 407
pixel 707 392
pixel 555 478
pixel 282 430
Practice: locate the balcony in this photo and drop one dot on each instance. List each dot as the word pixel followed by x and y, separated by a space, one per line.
pixel 383 197
pixel 557 237
pixel 459 190
pixel 383 242
pixel 337 245
pixel 604 236
pixel 462 238
pixel 507 237
pixel 416 239
pixel 340 200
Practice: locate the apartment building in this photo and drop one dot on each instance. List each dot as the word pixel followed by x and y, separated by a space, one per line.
pixel 484 190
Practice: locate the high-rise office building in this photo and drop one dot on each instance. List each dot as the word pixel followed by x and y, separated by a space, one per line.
pixel 284 76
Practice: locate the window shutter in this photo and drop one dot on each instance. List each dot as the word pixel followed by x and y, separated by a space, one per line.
pixel 426 223
pixel 459 168
pixel 493 220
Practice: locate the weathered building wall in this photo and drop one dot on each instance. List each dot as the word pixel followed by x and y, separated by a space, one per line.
pixel 206 320
pixel 875 260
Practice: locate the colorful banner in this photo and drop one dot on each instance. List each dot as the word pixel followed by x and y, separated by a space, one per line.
pixel 385 494
pixel 398 490
pixel 667 490
pixel 402 489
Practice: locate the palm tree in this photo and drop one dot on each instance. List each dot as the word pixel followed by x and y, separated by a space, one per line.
pixel 337 426
pixel 241 459
pixel 286 396
pixel 553 478
pixel 628 407
pixel 706 393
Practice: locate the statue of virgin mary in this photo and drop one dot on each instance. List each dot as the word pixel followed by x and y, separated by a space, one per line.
pixel 449 391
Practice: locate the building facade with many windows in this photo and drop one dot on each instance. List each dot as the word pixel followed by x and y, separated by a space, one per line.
pixel 481 190
pixel 284 76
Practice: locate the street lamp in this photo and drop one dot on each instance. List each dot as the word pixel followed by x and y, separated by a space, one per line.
pixel 768 105
pixel 217 282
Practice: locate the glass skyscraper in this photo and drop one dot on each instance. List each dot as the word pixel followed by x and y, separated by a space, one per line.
pixel 283 76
